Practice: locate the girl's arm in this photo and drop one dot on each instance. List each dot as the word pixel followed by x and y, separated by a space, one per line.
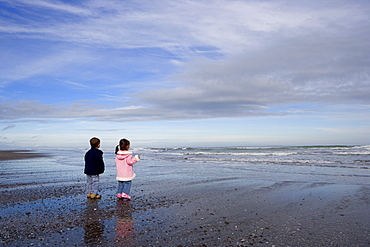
pixel 132 160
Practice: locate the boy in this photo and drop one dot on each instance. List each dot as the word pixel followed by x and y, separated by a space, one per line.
pixel 94 165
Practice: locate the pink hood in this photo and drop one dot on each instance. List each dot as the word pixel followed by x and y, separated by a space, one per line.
pixel 124 165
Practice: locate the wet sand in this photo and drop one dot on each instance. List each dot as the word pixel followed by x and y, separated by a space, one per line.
pixel 18 154
pixel 178 208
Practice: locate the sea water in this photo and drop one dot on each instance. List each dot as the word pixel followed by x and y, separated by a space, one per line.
pixel 320 156
pixel 336 164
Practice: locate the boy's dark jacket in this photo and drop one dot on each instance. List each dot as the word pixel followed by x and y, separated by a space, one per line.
pixel 94 164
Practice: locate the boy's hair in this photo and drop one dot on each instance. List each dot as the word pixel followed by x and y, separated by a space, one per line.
pixel 124 144
pixel 94 142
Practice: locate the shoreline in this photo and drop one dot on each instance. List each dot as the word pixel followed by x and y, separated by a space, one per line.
pixel 19 154
pixel 236 212
pixel 43 203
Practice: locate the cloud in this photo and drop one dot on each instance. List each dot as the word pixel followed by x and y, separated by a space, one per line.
pixel 310 69
pixel 51 61
pixel 25 109
pixel 180 26
pixel 57 6
pixel 9 127
pixel 232 58
pixel 74 84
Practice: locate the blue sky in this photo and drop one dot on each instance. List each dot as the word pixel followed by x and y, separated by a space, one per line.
pixel 184 73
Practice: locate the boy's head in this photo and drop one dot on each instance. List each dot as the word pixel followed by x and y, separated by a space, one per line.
pixel 95 142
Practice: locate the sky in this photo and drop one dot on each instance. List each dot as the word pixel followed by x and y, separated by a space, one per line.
pixel 184 73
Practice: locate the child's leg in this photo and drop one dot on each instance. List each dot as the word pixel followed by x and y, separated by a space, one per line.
pixel 127 187
pixel 120 187
pixel 88 184
pixel 95 184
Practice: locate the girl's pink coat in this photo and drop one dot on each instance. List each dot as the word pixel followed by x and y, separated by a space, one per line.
pixel 124 164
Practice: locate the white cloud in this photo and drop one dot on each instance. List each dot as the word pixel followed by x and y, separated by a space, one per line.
pixel 27 65
pixel 233 58
pixel 50 5
pixel 230 26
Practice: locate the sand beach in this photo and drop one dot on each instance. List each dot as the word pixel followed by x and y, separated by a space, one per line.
pixel 18 154
pixel 46 205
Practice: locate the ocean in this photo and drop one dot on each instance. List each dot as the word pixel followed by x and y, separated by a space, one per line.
pixel 331 164
pixel 356 157
pixel 336 164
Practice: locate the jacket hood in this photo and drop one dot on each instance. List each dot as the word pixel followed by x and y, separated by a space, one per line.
pixel 121 155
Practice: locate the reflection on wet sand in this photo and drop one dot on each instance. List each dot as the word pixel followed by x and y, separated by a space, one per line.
pixel 94 228
pixel 125 235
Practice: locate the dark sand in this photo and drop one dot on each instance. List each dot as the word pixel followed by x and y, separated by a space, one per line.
pixel 179 209
pixel 18 154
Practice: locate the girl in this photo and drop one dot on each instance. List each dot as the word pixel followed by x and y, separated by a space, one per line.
pixel 125 172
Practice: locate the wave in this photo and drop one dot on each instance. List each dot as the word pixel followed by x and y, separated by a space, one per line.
pixel 241 148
